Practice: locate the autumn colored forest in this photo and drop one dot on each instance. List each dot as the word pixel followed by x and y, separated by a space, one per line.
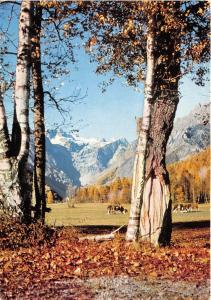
pixel 150 46
pixel 190 182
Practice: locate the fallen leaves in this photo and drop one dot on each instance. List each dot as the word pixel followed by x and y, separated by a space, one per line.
pixel 187 259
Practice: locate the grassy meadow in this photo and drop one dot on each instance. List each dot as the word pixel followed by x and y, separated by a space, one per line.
pixel 96 214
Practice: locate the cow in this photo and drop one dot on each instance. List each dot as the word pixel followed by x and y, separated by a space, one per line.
pixel 185 207
pixel 120 209
pixel 110 209
pixel 113 209
pixel 176 208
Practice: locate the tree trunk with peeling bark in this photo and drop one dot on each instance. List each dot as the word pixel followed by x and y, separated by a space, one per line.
pixel 156 221
pixel 39 119
pixel 150 216
pixel 14 176
pixel 141 151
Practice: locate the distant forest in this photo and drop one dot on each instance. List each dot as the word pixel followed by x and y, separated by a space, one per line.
pixel 190 182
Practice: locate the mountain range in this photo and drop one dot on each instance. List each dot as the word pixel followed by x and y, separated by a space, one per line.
pixel 74 160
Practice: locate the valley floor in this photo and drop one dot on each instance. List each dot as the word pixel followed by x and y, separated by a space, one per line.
pixel 85 214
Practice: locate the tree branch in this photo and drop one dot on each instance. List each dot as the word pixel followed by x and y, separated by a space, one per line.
pixel 9 53
pixel 9 2
pixel 55 102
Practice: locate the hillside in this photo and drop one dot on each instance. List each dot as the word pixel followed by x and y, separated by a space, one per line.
pixel 74 160
pixel 191 134
pixel 190 181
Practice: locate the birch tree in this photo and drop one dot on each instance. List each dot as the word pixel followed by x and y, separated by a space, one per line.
pixel 118 39
pixel 47 29
pixel 49 33
pixel 14 177
pixel 141 151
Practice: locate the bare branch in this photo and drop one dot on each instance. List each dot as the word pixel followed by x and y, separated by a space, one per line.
pixel 9 53
pixel 55 102
pixel 9 2
pixel 54 23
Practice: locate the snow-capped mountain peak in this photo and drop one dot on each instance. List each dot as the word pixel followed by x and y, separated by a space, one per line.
pixel 90 156
pixel 72 159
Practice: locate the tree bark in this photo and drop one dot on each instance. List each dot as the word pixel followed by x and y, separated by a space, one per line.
pixel 15 179
pixel 22 93
pixel 141 151
pixel 156 221
pixel 9 191
pixel 39 119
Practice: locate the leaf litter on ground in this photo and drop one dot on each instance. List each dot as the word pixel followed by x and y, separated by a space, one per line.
pixel 65 257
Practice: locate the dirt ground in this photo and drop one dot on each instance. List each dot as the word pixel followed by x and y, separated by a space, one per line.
pixel 115 288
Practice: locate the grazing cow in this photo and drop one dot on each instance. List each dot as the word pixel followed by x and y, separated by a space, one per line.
pixel 116 208
pixel 184 208
pixel 123 210
pixel 187 207
pixel 113 209
pixel 176 208
pixel 110 209
pixel 120 209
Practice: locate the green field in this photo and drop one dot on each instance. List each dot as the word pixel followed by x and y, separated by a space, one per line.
pixel 96 214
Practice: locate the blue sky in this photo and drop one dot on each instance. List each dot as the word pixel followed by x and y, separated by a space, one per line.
pixel 110 114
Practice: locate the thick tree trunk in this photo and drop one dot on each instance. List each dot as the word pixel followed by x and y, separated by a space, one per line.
pixel 156 222
pixel 39 119
pixel 141 151
pixel 151 204
pixel 15 179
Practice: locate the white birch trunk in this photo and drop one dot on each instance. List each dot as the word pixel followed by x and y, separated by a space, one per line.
pixel 9 192
pixel 13 171
pixel 22 85
pixel 141 151
pixel 22 93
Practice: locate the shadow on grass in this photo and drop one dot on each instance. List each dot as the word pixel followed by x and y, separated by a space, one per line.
pixel 103 229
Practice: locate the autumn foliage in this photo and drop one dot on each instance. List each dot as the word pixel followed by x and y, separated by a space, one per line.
pixel 50 198
pixel 190 178
pixel 28 269
pixel 190 182
pixel 117 191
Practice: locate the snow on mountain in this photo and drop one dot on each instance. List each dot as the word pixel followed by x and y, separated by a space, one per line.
pixel 60 171
pixel 89 156
pixel 190 134
pixel 71 159
pixel 74 160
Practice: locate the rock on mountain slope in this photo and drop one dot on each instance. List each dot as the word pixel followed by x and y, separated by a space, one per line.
pixel 80 161
pixel 89 156
pixel 71 160
pixel 190 134
pixel 60 171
